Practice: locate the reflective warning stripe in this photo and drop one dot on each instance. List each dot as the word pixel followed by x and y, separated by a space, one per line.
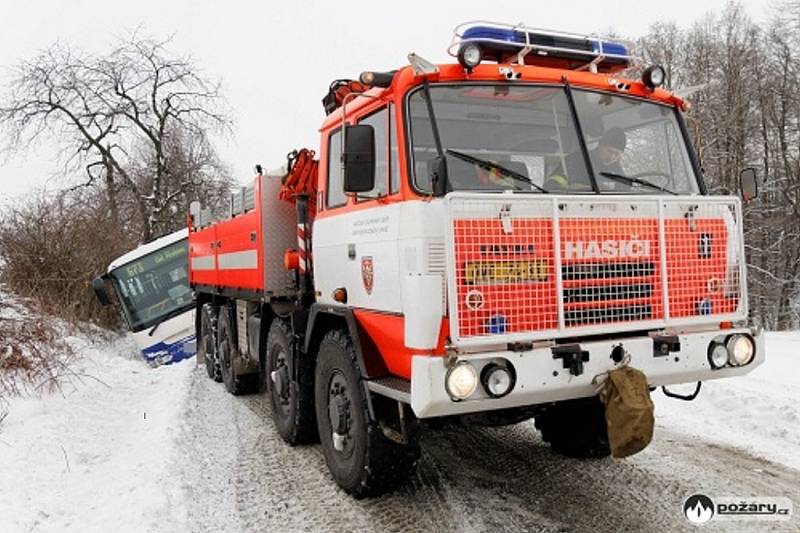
pixel 204 262
pixel 301 246
pixel 237 260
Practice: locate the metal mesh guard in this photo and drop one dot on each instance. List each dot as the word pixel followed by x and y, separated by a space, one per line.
pixel 622 264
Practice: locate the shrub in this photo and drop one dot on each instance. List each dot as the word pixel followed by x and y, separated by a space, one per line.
pixel 52 247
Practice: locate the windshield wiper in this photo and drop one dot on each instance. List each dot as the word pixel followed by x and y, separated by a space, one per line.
pixel 489 165
pixel 637 181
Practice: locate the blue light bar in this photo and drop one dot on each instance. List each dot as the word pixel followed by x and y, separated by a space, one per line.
pixel 543 47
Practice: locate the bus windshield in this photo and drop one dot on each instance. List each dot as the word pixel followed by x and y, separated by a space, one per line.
pixel 154 286
pixel 525 138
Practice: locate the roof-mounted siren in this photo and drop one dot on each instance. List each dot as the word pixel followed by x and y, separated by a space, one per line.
pixel 480 40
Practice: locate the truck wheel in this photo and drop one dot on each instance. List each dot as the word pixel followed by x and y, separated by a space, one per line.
pixel 360 458
pixel 207 345
pixel 226 351
pixel 292 401
pixel 576 428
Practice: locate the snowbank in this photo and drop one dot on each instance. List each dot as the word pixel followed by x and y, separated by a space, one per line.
pixel 759 413
pixel 95 458
pixel 107 454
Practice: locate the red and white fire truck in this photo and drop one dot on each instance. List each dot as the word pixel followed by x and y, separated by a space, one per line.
pixel 478 240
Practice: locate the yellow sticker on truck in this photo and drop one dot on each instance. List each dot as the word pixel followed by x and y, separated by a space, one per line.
pixel 495 272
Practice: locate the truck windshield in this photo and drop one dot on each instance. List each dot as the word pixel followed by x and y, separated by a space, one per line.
pixel 154 286
pixel 634 146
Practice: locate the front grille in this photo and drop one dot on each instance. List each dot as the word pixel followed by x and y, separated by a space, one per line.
pixel 608 292
pixel 623 269
pixel 530 267
pixel 595 315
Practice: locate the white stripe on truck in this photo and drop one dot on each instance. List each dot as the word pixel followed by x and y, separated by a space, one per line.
pixel 236 260
pixel 203 262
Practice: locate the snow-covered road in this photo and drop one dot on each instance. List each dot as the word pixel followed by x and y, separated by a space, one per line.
pixel 169 450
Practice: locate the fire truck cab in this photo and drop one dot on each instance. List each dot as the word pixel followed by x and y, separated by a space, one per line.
pixel 481 239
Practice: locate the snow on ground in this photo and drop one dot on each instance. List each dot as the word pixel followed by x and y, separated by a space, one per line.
pixel 759 413
pixel 94 458
pixel 111 452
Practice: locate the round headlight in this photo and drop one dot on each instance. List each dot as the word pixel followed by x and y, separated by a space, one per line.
pixel 740 349
pixel 461 381
pixel 497 380
pixel 469 55
pixel 717 355
pixel 654 76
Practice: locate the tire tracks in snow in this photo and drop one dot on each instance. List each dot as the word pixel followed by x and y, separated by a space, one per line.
pixel 242 477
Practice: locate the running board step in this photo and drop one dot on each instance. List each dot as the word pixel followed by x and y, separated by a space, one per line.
pixel 391 387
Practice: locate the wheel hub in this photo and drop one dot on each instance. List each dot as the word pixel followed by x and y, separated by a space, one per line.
pixel 280 379
pixel 339 403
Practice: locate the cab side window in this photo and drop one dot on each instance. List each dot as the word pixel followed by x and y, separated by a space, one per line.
pixel 335 188
pixel 380 124
pixel 394 157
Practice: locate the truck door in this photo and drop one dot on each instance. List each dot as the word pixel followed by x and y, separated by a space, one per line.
pixel 355 237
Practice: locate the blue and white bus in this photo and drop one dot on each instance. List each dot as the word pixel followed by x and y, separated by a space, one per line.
pixel 152 288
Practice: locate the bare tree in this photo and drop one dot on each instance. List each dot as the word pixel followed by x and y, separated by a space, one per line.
pixel 119 117
pixel 748 114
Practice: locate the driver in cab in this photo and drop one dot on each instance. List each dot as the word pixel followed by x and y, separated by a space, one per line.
pixel 606 157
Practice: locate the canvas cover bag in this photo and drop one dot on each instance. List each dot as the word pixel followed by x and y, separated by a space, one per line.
pixel 629 411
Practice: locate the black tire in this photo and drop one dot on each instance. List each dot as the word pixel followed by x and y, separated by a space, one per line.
pixel 226 350
pixel 207 341
pixel 292 401
pixel 576 428
pixel 367 463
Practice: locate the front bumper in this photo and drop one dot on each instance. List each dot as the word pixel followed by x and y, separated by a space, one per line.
pixel 541 378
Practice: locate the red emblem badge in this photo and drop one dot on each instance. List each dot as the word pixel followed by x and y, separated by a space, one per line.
pixel 367 273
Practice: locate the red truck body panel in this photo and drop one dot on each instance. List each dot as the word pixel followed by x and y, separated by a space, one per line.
pixel 245 251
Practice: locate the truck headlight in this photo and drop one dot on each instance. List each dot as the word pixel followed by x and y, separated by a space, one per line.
pixel 461 381
pixel 717 355
pixel 497 379
pixel 741 349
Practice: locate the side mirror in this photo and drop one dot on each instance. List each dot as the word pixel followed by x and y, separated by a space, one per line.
pixel 99 287
pixel 748 184
pixel 359 158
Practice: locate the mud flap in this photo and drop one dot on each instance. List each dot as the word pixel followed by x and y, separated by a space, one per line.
pixel 629 411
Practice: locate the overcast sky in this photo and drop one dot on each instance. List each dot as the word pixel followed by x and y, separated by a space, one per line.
pixel 276 59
